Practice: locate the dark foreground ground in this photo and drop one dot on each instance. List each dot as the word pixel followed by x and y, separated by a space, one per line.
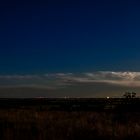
pixel 40 119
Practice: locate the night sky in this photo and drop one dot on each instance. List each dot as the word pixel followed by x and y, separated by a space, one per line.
pixel 69 36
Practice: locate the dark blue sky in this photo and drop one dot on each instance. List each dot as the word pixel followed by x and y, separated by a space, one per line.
pixel 69 36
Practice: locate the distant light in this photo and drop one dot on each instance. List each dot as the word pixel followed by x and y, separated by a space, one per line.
pixel 66 97
pixel 107 97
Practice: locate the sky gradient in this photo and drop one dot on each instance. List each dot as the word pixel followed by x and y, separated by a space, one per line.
pixel 73 36
pixel 69 36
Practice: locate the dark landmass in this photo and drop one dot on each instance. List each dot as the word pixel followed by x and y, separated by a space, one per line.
pixel 73 104
pixel 70 119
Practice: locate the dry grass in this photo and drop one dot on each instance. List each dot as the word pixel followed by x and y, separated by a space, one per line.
pixel 33 124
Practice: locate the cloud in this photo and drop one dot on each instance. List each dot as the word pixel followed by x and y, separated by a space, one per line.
pixel 19 77
pixel 61 80
pixel 113 75
pixel 130 79
pixel 88 84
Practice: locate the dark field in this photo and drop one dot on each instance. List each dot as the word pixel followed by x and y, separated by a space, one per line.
pixel 69 119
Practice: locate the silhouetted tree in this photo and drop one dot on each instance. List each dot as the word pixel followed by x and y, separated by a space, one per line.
pixel 129 95
pixel 133 95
